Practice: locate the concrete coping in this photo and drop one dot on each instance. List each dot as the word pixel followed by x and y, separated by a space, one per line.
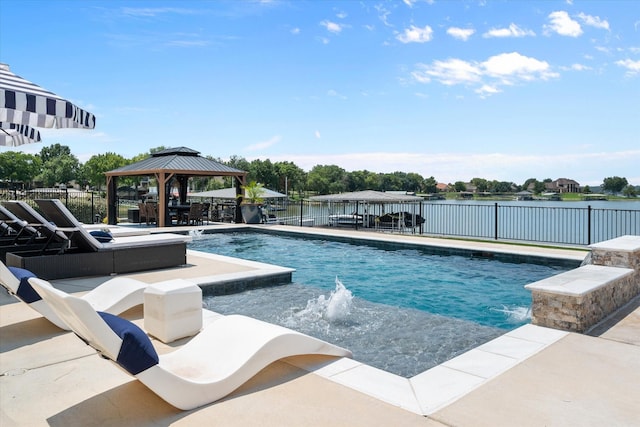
pixel 619 244
pixel 580 281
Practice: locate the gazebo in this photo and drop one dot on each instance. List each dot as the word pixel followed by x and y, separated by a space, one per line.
pixel 165 166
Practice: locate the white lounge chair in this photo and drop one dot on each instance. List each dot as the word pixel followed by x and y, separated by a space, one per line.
pixel 113 296
pixel 223 356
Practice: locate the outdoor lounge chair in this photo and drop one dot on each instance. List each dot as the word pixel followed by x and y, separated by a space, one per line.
pixel 223 356
pixel 27 232
pixel 88 256
pixel 113 296
pixel 21 210
pixel 14 229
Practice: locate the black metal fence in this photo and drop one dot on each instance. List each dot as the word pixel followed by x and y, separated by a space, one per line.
pixel 544 224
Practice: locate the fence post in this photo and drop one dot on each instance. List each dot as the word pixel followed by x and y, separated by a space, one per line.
pixel 588 224
pixel 495 221
pixel 301 201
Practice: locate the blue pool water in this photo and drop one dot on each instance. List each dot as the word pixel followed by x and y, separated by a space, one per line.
pixel 408 310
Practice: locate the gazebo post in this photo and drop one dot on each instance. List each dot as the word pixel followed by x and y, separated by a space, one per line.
pixel 112 208
pixel 162 198
pixel 239 181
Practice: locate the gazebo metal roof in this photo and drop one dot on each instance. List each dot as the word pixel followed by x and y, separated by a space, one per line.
pixel 181 160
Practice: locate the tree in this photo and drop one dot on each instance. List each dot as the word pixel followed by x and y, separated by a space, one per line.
pixel 93 170
pixel 614 184
pixel 53 151
pixel 481 184
pixel 586 189
pixel 16 166
pixel 59 166
pixel 327 179
pixel 459 186
pixel 290 177
pixel 413 182
pixel 629 191
pixel 430 185
pixel 264 172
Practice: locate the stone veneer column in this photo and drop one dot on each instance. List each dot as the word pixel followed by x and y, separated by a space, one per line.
pixel 580 298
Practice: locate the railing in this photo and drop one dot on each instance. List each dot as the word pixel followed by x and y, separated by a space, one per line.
pixel 548 224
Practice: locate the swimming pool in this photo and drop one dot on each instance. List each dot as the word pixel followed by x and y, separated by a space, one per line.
pixel 420 308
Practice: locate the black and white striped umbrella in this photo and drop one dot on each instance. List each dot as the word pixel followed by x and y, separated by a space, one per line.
pixel 25 106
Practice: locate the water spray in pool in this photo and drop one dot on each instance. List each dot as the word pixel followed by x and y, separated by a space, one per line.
pixel 334 309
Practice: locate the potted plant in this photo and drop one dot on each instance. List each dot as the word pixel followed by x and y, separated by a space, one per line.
pixel 251 205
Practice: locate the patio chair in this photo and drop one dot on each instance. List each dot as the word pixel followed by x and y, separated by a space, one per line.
pixel 113 296
pixel 222 357
pixel 142 213
pixel 151 212
pixel 205 212
pixel 194 216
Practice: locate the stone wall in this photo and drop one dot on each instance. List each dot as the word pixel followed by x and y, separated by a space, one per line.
pixel 579 299
pixel 577 313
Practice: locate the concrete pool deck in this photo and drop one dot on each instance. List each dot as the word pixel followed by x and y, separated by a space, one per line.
pixel 531 376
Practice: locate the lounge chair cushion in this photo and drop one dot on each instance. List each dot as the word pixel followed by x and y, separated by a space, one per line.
pixel 101 236
pixel 25 292
pixel 136 352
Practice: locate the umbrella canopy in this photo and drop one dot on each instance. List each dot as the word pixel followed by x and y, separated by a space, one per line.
pixel 13 134
pixel 25 106
pixel 230 193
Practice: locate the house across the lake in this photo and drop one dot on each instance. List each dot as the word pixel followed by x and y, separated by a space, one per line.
pixel 563 185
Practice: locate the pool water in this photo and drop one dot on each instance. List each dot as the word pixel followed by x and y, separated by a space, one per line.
pixel 408 310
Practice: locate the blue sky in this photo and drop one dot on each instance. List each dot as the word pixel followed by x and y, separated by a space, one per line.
pixel 450 89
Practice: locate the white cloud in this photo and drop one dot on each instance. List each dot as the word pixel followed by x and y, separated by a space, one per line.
pixel 633 67
pixel 561 23
pixel 594 21
pixel 414 34
pixel 383 14
pixel 486 90
pixel 295 31
pixel 317 134
pixel 332 26
pixel 449 72
pixel 264 144
pixel 335 94
pixel 461 33
pixel 152 12
pixel 510 67
pixel 577 67
pixel 485 77
pixel 512 31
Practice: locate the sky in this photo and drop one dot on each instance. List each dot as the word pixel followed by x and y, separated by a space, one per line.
pixel 500 90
